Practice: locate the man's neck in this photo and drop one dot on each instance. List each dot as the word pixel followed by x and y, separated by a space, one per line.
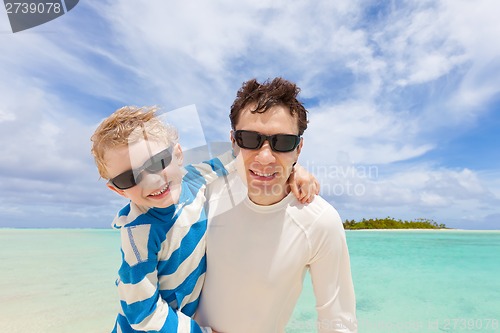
pixel 268 200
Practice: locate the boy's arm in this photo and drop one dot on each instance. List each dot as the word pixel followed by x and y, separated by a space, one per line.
pixel 303 184
pixel 212 169
pixel 138 287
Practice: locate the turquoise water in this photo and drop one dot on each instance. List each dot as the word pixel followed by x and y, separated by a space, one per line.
pixel 58 280
pixel 421 281
pixel 405 281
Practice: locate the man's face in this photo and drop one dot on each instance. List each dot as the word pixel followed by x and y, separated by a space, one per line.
pixel 266 171
pixel 160 189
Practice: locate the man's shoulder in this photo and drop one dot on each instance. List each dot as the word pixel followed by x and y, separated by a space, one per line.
pixel 319 214
pixel 317 206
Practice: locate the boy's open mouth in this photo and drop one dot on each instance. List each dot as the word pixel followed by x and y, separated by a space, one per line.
pixel 161 193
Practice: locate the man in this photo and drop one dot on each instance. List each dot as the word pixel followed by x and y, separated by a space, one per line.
pixel 261 240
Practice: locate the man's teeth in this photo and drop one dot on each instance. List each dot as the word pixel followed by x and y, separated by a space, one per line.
pixel 263 174
pixel 161 191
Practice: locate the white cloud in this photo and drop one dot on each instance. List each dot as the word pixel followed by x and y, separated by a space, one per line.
pixel 6 116
pixel 417 43
pixel 410 191
pixel 377 81
pixel 368 135
pixel 40 138
pixel 45 163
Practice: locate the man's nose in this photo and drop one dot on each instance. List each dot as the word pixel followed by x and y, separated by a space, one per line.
pixel 265 154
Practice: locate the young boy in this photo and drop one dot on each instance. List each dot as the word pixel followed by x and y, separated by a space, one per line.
pixel 163 227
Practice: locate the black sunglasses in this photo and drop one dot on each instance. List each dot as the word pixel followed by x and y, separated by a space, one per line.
pixel 281 143
pixel 132 177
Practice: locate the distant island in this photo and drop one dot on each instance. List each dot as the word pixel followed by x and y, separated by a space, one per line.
pixel 391 223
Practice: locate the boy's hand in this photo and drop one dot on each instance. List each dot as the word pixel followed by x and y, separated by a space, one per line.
pixel 303 184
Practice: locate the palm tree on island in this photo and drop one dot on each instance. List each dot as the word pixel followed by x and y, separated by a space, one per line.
pixel 391 223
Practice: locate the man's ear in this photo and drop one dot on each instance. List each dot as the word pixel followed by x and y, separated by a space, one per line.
pixel 178 154
pixel 299 147
pixel 117 190
pixel 234 146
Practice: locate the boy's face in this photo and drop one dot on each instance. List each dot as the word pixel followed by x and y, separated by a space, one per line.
pixel 160 189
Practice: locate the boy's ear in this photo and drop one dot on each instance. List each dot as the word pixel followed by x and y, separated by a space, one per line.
pixel 117 190
pixel 178 154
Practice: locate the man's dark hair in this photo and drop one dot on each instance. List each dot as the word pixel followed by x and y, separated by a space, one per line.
pixel 266 95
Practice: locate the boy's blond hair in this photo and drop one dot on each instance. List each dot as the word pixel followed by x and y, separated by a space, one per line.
pixel 126 126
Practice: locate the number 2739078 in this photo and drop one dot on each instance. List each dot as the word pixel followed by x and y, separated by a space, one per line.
pixel 33 8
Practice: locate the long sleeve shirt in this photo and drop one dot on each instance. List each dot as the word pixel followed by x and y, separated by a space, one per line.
pixel 257 259
pixel 164 257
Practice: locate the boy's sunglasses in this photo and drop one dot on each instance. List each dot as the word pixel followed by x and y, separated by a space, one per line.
pixel 132 177
pixel 281 143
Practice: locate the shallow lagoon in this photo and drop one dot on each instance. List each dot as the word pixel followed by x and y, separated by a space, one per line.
pixel 61 280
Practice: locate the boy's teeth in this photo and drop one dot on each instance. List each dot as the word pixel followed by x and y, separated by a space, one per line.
pixel 161 191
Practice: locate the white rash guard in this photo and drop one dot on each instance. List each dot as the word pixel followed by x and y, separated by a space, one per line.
pixel 257 257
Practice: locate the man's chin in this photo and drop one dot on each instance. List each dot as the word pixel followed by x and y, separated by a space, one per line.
pixel 264 188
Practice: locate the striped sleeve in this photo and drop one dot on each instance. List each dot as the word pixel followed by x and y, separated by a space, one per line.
pixel 139 291
pixel 210 170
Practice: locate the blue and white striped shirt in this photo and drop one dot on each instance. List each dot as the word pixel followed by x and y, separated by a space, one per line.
pixel 163 257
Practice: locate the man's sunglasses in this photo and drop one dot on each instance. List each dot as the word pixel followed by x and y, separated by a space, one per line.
pixel 132 177
pixel 281 143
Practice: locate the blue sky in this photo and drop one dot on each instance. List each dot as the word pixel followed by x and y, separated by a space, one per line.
pixel 404 99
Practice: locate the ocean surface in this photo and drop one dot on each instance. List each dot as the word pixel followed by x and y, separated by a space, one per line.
pixel 62 280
